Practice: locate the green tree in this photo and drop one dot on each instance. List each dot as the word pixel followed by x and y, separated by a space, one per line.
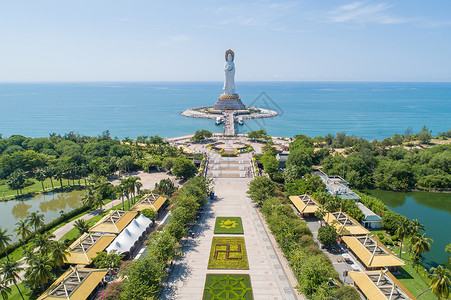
pixel 16 180
pixel 58 253
pixel 39 272
pixel 36 220
pixel 49 172
pixel 163 246
pixel 201 135
pixel 82 226
pixel 23 230
pixel 403 227
pixel 261 188
pixel 424 136
pixel 440 283
pixel 5 239
pixel 184 168
pixel 10 272
pixel 327 236
pixel 149 213
pixel 39 175
pixel 89 198
pixel 5 290
pixel 108 260
pixel 422 245
pixel 165 187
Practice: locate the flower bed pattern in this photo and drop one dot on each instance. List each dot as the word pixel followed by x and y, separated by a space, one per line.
pixel 228 286
pixel 228 225
pixel 228 253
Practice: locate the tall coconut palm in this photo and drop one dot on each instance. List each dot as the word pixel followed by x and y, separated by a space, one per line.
pixel 23 230
pixel 43 242
pixel 39 175
pixel 82 226
pixel 39 271
pixel 440 283
pixel 89 198
pixel 36 220
pixel 121 194
pixel 49 172
pixel 59 175
pixel 58 253
pixel 401 231
pixel 10 271
pixel 320 213
pixel 422 245
pixel 5 290
pixel 413 230
pixel 5 239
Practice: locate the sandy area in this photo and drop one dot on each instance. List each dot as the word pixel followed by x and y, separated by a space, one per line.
pixel 149 179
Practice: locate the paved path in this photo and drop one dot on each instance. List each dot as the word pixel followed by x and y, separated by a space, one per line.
pixel 229 123
pixel 268 277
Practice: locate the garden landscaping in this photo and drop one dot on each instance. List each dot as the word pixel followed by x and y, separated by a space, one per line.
pixel 228 225
pixel 228 286
pixel 228 253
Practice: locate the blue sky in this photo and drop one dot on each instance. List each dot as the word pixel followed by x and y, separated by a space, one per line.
pixel 131 40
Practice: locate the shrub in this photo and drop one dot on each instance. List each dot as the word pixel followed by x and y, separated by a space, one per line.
pixel 327 236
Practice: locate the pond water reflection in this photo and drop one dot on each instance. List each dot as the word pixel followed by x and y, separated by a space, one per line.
pixel 50 204
pixel 433 210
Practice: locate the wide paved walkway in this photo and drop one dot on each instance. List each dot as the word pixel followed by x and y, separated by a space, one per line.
pixel 268 277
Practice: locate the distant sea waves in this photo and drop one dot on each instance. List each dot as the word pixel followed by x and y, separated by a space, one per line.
pixel 368 110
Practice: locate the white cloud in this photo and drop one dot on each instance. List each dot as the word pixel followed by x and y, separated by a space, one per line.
pixel 361 12
pixel 175 39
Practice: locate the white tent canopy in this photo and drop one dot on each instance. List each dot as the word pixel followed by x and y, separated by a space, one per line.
pixel 130 235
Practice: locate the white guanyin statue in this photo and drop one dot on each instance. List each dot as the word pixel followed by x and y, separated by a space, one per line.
pixel 229 70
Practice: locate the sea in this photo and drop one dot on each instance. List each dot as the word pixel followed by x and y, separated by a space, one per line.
pixel 372 110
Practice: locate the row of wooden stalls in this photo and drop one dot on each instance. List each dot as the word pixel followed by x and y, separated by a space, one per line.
pixel 376 281
pixel 120 231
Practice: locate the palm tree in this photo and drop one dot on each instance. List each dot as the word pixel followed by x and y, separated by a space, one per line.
pixel 5 290
pixel 440 283
pixel 401 232
pixel 23 230
pixel 89 198
pixel 49 172
pixel 118 189
pixel 82 226
pixel 39 271
pixel 10 271
pixel 58 253
pixel 320 213
pixel 43 242
pixel 36 220
pixel 5 239
pixel 40 176
pixel 422 245
pixel 59 175
pixel 413 230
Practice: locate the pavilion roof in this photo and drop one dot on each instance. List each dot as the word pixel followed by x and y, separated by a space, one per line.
pixel 114 222
pixel 380 285
pixel 344 224
pixel 85 248
pixel 372 252
pixel 74 284
pixel 304 203
pixel 150 201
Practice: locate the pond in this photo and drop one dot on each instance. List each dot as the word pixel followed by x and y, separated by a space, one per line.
pixel 49 204
pixel 433 210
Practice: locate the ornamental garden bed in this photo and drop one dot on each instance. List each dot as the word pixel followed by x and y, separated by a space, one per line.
pixel 228 253
pixel 228 286
pixel 228 225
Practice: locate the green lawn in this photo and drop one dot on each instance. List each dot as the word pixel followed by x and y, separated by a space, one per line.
pixel 15 294
pixel 409 277
pixel 5 191
pixel 228 253
pixel 228 286
pixel 231 225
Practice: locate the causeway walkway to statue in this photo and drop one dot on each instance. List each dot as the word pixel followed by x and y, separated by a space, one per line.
pixel 268 270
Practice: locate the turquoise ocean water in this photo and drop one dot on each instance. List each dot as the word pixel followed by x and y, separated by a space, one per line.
pixel 369 110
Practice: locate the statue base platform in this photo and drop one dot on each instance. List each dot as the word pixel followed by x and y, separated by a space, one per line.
pixel 229 102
